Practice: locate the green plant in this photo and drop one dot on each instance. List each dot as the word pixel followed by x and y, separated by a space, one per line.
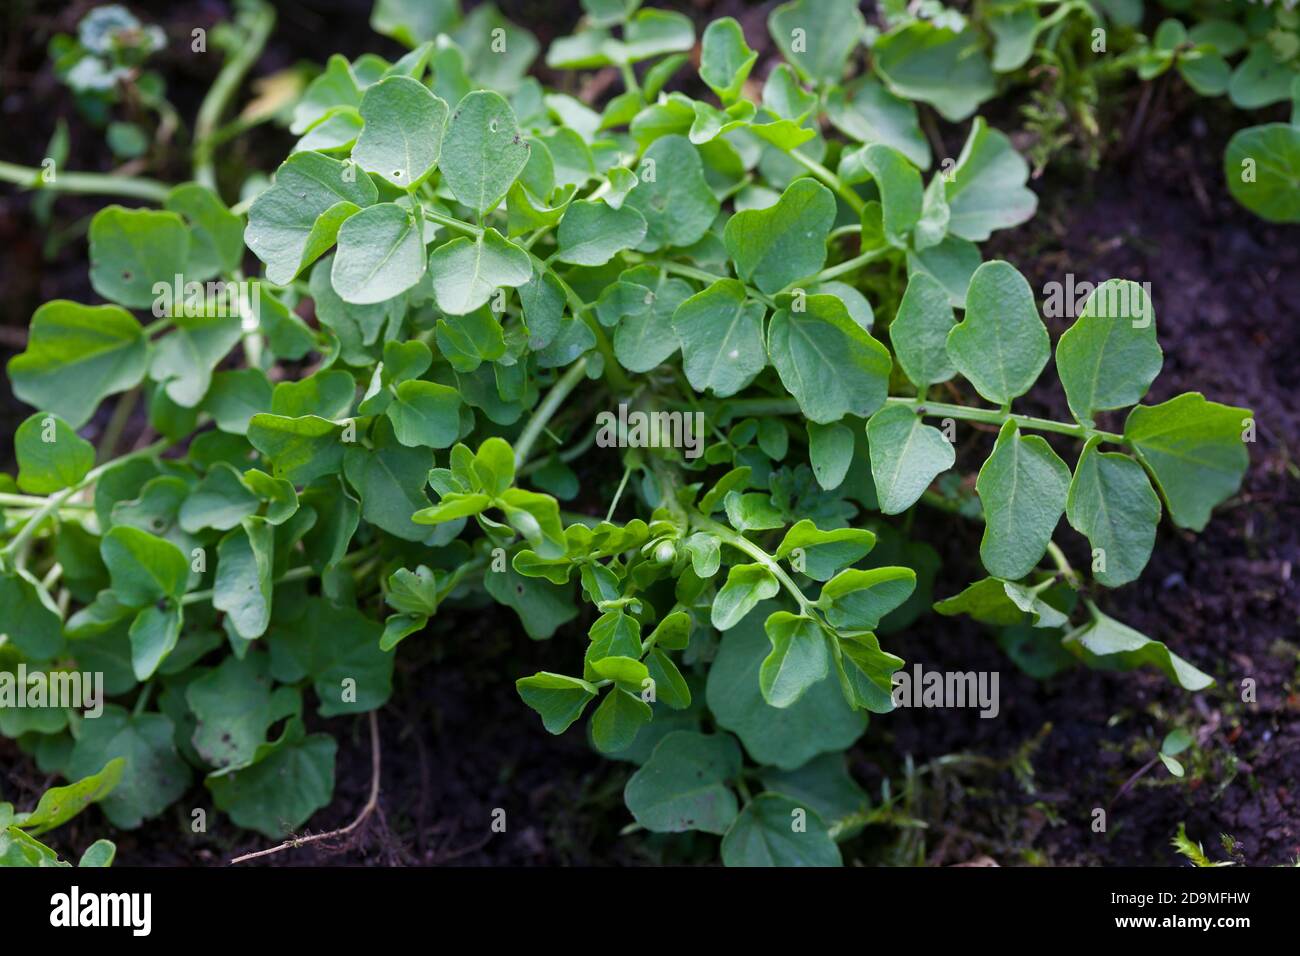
pixel 58 805
pixel 505 283
pixel 1261 163
pixel 104 66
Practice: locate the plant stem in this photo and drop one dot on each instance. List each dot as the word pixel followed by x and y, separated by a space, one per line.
pixel 830 179
pixel 758 407
pixel 32 501
pixel 741 543
pixel 54 502
pixel 548 407
pixel 260 20
pixel 92 184
pixel 849 265
pixel 451 222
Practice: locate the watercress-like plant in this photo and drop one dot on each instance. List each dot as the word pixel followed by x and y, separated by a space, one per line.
pixel 460 271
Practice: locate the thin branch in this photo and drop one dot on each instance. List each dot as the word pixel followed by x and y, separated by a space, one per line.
pixel 371 805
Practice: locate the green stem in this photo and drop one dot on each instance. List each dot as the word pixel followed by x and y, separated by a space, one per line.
pixel 1063 565
pixel 33 501
pixel 759 407
pixel 259 23
pixel 91 184
pixel 117 424
pixel 741 543
pixel 846 193
pixel 451 222
pixel 54 502
pixel 848 265
pixel 547 409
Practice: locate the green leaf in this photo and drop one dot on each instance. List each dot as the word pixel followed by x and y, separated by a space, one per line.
pixel 986 189
pixel 1110 356
pixel 670 686
pixel 866 111
pixel 285 783
pixel 98 854
pixel 798 659
pixel 817 37
pixel 919 332
pixel 216 233
pixel 857 600
pixel 774 830
pixel 616 721
pixel 542 607
pixel 1002 604
pixel 1262 167
pixel 381 255
pixel 823 785
pixel 425 414
pixel 300 449
pixel 1195 451
pixel 932 64
pixel 747 585
pixel 327 394
pixel 592 233
pixel 1022 487
pixel 183 361
pixel 645 340
pixel 1260 79
pixel 560 700
pixel 1001 346
pixel 390 478
pixel 537 518
pixel 900 189
pixel 402 138
pixel 683 785
pixel 725 58
pixel 830 364
pixel 779 245
pixel 51 456
pixel 467 271
pixel 154 776
pixel 819 554
pixel 818 722
pixel 234 707
pixel 1112 503
pixel 483 151
pixel 753 512
pixel 221 500
pixel 338 649
pixel 906 456
pixel 830 452
pixel 721 338
pixel 951 263
pixel 154 634
pixel 29 618
pixel 296 221
pixel 1106 644
pixel 58 805
pixel 234 397
pixel 145 569
pixel 672 194
pixel 243 585
pixel 131 249
pixel 76 356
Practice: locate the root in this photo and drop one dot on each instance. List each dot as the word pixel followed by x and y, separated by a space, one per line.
pixel 371 805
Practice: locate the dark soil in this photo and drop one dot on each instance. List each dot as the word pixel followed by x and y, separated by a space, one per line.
pixel 457 744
